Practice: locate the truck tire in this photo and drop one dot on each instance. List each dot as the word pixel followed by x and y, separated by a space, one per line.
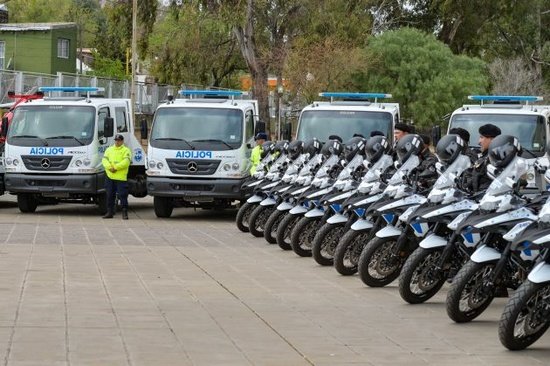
pixel 163 206
pixel 26 202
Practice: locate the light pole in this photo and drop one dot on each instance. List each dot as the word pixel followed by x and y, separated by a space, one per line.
pixel 280 91
pixel 134 56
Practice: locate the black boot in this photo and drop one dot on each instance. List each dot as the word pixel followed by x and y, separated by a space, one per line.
pixel 124 214
pixel 108 215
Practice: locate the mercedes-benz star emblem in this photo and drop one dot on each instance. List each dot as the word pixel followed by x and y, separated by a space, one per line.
pixel 192 167
pixel 45 163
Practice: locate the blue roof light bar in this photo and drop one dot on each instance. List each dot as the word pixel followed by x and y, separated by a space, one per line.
pixel 333 95
pixel 220 93
pixel 505 98
pixel 70 89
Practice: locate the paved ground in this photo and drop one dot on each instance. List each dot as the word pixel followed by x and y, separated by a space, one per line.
pixel 193 290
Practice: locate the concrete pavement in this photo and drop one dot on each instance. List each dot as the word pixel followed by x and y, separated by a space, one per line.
pixel 193 290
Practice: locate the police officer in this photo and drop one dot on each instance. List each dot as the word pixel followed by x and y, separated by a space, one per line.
pixel 476 178
pixel 465 136
pixel 116 161
pixel 400 130
pixel 256 154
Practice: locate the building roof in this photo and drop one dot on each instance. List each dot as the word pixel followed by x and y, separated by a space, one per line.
pixel 22 27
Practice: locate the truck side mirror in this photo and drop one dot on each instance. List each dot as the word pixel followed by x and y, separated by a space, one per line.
pixel 108 127
pixel 144 129
pixel 260 127
pixel 287 131
pixel 436 134
pixel 4 131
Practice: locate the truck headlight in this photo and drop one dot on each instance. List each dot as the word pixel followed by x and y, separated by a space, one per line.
pixel 86 162
pixel 15 162
pixel 160 165
pixel 226 167
pixel 152 164
pixel 235 166
pixel 78 163
pixel 9 161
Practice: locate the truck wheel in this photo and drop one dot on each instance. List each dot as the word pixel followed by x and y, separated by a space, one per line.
pixel 27 202
pixel 101 201
pixel 163 206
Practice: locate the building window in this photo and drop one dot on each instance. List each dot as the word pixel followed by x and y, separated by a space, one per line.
pixel 2 54
pixel 62 48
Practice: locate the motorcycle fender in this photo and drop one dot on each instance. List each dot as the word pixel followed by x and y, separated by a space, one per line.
pixel 255 199
pixel 337 219
pixel 300 191
pixel 315 213
pixel 341 196
pixel 254 184
pixel 540 274
pixel 271 185
pixel 361 225
pixel 284 189
pixel 388 232
pixel 433 241
pixel 268 202
pixel 285 206
pixel 298 210
pixel 322 192
pixel 485 254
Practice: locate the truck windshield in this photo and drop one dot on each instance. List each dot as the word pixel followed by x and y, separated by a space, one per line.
pixel 197 128
pixel 322 124
pixel 529 129
pixel 52 125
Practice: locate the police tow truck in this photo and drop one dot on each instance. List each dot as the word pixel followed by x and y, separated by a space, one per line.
pixel 347 114
pixel 515 116
pixel 54 148
pixel 199 149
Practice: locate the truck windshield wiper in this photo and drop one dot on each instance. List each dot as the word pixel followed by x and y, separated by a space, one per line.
pixel 44 141
pixel 215 140
pixel 175 139
pixel 66 137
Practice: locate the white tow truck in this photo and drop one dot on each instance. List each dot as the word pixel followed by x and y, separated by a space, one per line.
pixel 55 145
pixel 199 150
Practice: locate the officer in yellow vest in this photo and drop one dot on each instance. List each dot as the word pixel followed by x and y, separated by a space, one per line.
pixel 116 161
pixel 256 154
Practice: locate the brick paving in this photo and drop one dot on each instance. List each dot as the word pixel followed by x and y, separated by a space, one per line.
pixel 193 290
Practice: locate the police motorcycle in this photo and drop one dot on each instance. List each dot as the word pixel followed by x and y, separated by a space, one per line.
pixel 272 163
pixel 526 316
pixel 439 254
pixel 380 169
pixel 302 198
pixel 344 192
pixel 491 267
pixel 383 256
pixel 337 187
pixel 313 159
pixel 272 193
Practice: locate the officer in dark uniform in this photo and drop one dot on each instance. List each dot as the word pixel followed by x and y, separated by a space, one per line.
pixel 476 178
pixel 427 173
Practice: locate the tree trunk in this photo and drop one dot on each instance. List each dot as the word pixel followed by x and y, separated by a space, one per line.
pixel 258 71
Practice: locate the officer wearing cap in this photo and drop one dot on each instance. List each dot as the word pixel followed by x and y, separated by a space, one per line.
pixel 116 161
pixel 400 130
pixel 256 154
pixel 476 178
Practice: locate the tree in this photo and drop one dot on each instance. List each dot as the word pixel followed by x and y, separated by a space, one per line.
pixel 193 46
pixel 421 73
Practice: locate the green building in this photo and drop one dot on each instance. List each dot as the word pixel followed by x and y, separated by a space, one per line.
pixel 45 48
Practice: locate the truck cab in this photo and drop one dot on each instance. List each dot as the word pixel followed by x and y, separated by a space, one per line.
pixel 55 145
pixel 514 115
pixel 199 150
pixel 347 114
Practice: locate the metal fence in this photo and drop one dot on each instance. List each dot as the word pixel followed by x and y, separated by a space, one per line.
pixel 148 95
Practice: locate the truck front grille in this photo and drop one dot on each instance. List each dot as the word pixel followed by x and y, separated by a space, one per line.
pixel 194 167
pixel 48 163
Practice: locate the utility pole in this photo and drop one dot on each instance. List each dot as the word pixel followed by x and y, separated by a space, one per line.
pixel 134 56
